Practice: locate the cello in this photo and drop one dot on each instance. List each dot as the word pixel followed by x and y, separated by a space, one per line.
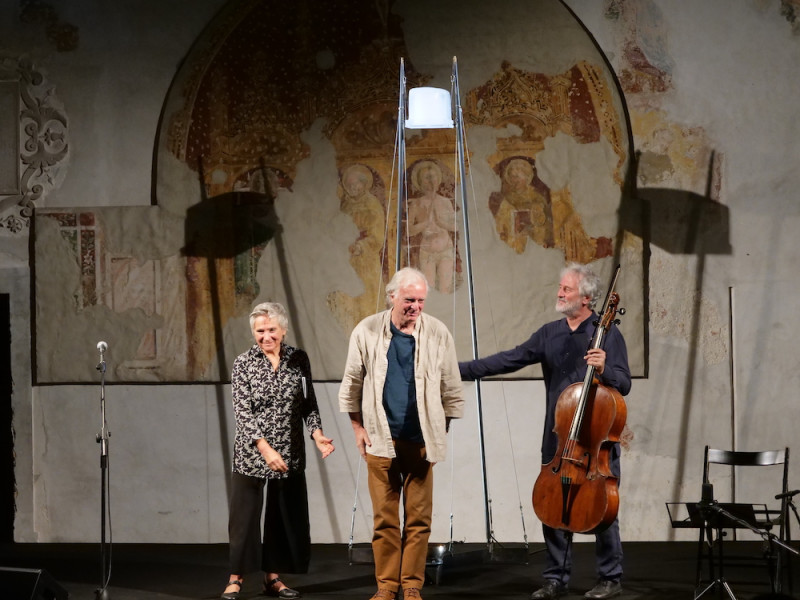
pixel 576 491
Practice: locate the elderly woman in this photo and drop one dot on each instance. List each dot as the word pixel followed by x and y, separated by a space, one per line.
pixel 272 396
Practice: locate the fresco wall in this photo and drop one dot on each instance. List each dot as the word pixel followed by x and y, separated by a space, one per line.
pixel 707 214
pixel 278 152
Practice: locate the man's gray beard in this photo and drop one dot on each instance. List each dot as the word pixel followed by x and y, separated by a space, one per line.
pixel 568 310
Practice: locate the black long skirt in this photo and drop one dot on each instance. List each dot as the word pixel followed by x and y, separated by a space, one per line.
pixel 286 543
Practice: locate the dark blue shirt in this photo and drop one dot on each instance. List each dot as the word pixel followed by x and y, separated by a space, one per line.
pixel 399 389
pixel 560 352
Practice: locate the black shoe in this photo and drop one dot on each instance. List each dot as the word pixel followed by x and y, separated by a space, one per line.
pixel 232 595
pixel 286 593
pixel 604 589
pixel 551 590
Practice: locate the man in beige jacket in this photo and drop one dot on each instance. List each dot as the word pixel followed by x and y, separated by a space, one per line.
pixel 401 386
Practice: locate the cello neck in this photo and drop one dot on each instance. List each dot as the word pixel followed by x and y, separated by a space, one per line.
pixel 575 427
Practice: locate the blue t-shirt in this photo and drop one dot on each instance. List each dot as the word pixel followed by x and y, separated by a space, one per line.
pixel 399 391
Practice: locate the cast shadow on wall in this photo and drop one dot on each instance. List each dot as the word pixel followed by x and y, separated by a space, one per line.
pixel 685 222
pixel 224 236
pixel 678 222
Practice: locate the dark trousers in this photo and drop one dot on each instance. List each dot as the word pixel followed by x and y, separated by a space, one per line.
pixel 607 549
pixel 286 543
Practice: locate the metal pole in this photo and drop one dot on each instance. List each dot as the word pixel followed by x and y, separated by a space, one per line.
pixel 102 438
pixel 471 294
pixel 401 162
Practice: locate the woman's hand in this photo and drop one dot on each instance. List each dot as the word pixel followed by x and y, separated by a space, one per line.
pixel 324 444
pixel 275 461
pixel 271 456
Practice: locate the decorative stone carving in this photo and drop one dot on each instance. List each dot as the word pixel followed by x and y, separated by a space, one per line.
pixel 35 148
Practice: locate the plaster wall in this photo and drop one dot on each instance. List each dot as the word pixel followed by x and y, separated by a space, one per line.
pixel 716 372
pixel 720 371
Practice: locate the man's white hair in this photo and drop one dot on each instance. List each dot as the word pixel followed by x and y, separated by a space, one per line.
pixel 588 281
pixel 403 278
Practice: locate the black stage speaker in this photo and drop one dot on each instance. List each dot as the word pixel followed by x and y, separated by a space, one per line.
pixel 29 584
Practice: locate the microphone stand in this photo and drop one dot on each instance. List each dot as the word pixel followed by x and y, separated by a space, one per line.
pixel 708 507
pixel 102 439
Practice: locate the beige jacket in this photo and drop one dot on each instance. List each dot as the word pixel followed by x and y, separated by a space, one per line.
pixel 436 374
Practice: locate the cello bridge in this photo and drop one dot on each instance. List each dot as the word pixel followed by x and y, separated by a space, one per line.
pixel 576 461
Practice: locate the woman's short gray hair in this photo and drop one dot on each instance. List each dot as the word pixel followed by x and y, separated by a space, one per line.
pixel 403 278
pixel 273 311
pixel 588 281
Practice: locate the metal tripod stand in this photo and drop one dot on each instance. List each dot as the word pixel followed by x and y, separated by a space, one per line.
pixel 714 517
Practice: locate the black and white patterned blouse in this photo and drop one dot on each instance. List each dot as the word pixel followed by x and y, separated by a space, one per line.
pixel 269 404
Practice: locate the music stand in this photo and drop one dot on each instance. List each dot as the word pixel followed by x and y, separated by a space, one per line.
pixel 710 515
pixel 724 515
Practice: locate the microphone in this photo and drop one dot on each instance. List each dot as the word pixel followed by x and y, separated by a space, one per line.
pixel 787 494
pixel 102 346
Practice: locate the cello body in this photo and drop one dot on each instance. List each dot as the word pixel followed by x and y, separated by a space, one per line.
pixel 577 491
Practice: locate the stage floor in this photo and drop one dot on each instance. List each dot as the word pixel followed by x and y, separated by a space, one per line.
pixel 653 570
